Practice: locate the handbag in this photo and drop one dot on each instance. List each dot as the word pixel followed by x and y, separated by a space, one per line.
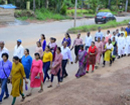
pixel 8 81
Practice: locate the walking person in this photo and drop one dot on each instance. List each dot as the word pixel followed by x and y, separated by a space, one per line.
pixel 98 34
pixel 47 62
pixel 114 35
pixel 104 43
pixel 43 42
pixel 88 41
pixel 27 62
pixel 92 52
pixel 108 53
pixel 66 56
pixel 5 69
pixel 36 74
pixel 117 33
pixel 108 36
pixel 121 46
pixel 127 48
pixel 82 58
pixel 67 38
pixel 77 42
pixel 19 50
pixel 99 46
pixel 56 69
pixel 17 76
pixel 53 46
pixel 128 29
pixel 3 49
pixel 114 43
pixel 39 49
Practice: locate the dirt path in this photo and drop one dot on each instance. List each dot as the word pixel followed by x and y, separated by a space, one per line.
pixel 106 86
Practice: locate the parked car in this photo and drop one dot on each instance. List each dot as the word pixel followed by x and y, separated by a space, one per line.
pixel 104 17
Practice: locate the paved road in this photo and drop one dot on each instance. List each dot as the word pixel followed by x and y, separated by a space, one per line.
pixel 32 31
pixel 12 33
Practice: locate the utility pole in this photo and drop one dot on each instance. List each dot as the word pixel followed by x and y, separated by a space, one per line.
pixel 34 5
pixel 126 6
pixel 75 15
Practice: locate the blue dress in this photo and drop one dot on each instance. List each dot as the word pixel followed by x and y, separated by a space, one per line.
pixel 27 63
pixel 68 41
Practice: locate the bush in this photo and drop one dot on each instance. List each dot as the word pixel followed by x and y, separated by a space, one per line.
pixel 24 13
pixel 91 11
pixel 86 28
pixel 79 11
pixel 114 8
pixel 63 10
pixel 40 14
pixel 104 10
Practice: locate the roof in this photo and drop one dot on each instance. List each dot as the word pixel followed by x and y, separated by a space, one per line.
pixel 8 6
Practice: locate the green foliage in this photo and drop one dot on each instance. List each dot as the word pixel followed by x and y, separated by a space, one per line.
pixel 63 10
pixel 79 11
pixel 44 14
pixel 87 28
pixel 104 10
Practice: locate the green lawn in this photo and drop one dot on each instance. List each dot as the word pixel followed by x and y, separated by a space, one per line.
pixel 94 27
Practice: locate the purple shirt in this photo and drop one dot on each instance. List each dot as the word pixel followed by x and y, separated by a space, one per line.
pixel 68 41
pixel 7 68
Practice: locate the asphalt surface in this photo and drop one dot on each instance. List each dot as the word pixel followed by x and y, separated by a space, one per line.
pixel 31 33
pixel 33 30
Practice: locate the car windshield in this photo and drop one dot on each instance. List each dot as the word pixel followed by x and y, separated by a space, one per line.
pixel 102 13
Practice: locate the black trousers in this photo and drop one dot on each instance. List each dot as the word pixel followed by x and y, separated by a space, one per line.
pixel 58 76
pixel 77 48
pixel 64 72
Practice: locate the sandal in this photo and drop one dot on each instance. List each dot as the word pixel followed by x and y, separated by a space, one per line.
pixel 23 98
pixel 41 90
pixel 49 86
pixel 29 94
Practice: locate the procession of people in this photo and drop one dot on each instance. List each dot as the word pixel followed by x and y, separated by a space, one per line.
pixel 50 56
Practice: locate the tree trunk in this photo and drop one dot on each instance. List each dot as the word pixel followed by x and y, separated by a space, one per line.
pixel 126 7
pixel 46 3
pixel 34 5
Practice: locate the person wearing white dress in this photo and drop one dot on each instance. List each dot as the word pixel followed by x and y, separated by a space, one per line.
pixel 19 50
pixel 121 46
pixel 127 47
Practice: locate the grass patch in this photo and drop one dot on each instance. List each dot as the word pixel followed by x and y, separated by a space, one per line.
pixel 40 14
pixel 86 28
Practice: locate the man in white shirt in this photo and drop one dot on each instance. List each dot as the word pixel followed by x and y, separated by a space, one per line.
pixel 19 50
pixel 66 56
pixel 114 35
pixel 88 41
pixel 121 46
pixel 98 34
pixel 3 49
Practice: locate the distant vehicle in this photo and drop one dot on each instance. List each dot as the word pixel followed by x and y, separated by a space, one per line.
pixel 104 17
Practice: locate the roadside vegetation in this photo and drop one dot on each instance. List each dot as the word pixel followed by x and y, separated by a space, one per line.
pixel 64 9
pixel 86 28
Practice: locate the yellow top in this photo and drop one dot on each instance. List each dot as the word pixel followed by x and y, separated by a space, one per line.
pixel 47 56
pixel 125 33
pixel 17 74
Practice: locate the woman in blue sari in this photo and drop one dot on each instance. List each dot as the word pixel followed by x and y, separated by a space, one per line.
pixel 27 62
pixel 82 58
pixel 67 39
